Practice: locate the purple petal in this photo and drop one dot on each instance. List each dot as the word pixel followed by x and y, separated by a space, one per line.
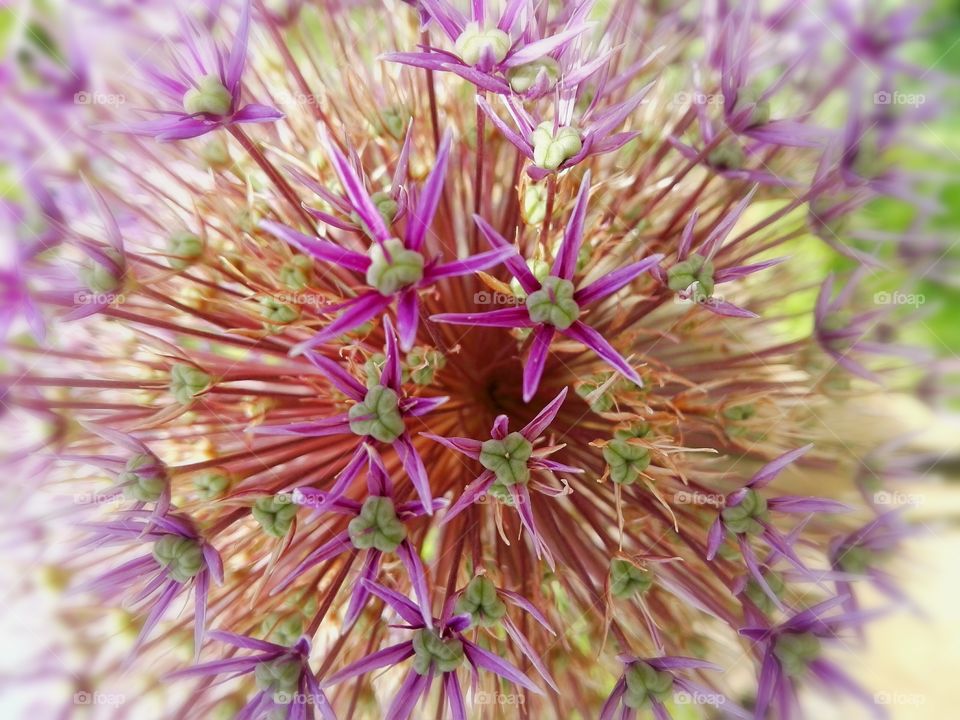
pixel 467 446
pixel 362 309
pixel 565 263
pixel 382 658
pixel 422 215
pixel 458 710
pixel 609 284
pixel 470 494
pixel 480 658
pixel 418 579
pixel 256 113
pixel 408 317
pixel 583 333
pixel 536 360
pixel 413 464
pixel 315 247
pixel 472 264
pixel 355 191
pixel 340 378
pixel 517 317
pixel 401 605
pixel 769 471
pixel 392 374
pixel 534 429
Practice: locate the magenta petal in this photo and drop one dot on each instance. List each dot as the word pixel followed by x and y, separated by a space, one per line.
pixel 527 649
pixel 458 709
pixel 800 504
pixel 420 217
pixel 415 407
pixel 609 708
pixel 400 604
pixel 714 538
pixel 408 316
pixel 315 247
pixel 255 113
pixel 418 579
pixel 507 317
pixel 481 658
pixel 539 48
pixel 361 310
pixel 727 309
pixel 382 658
pixel 769 471
pixel 566 261
pixel 337 545
pixel 472 264
pixel 360 594
pixel 473 491
pixel 392 375
pixel 583 333
pixel 534 429
pixel 355 190
pixel 340 378
pixel 537 360
pixel 413 687
pixel 413 464
pixel 609 284
pixel 514 261
pixel 467 446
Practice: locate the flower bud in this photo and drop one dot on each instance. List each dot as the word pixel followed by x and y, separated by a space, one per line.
pixel 210 97
pixel 551 151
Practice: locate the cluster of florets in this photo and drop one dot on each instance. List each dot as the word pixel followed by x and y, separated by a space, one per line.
pixel 313 424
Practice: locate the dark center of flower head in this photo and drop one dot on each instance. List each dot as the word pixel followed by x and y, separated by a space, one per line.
pixel 553 303
pixel 508 458
pixel 744 517
pixel 430 650
pixel 626 579
pixel 796 651
pixel 480 601
pixel 645 683
pixel 393 267
pixel 378 415
pixel 209 97
pixel 143 478
pixel 377 526
pixel 181 556
pixel 280 678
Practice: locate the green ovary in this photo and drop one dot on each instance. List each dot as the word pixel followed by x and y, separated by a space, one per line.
pixel 377 526
pixel 183 247
pixel 280 678
pixel 474 41
pixel 508 458
pixel 645 683
pixel 796 651
pixel 551 151
pixel 626 579
pixel 143 478
pixel 393 267
pixel 553 304
pixel 444 655
pixel 744 518
pixel 186 382
pixel 625 460
pixel 209 97
pixel 275 514
pixel 378 416
pixel 181 556
pixel 480 601
pixel 695 269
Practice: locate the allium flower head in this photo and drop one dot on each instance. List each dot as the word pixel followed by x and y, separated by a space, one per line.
pixel 460 359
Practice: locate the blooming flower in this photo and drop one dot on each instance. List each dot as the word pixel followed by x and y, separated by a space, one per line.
pixel 180 559
pixel 508 459
pixel 438 647
pixel 746 515
pixel 285 683
pixel 553 305
pixel 395 270
pixel 204 88
pixel 378 414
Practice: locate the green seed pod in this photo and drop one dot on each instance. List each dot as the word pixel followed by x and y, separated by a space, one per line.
pixel 796 651
pixel 209 97
pixel 184 248
pixel 386 205
pixel 103 279
pixel 280 678
pixel 625 460
pixel 758 595
pixel 695 269
pixel 644 683
pixel 553 304
pixel 278 313
pixel 181 556
pixel 479 599
pixel 626 579
pixel 296 274
pixel 187 381
pixel 474 42
pixel 377 526
pixel 212 484
pixel 444 655
pixel 551 151
pixel 393 267
pixel 144 478
pixel 275 514
pixel 424 364
pixel 216 153
pixel 524 77
pixel 378 415
pixel 743 517
pixel 508 458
